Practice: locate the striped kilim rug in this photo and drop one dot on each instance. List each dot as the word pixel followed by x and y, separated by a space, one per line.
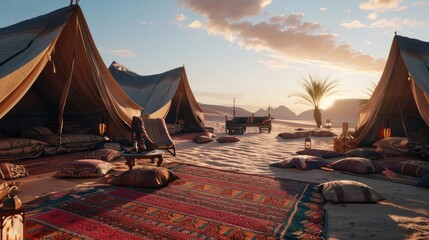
pixel 204 204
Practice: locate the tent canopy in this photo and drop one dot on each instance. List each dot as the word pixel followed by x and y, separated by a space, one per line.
pixel 401 99
pixel 166 95
pixel 51 71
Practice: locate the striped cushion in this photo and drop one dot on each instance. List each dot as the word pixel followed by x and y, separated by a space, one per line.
pixel 359 152
pixel 345 191
pixel 357 165
pixel 104 154
pixel 415 168
pixel 302 162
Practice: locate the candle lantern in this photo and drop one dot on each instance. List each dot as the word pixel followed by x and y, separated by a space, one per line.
pixel 307 143
pixel 386 132
pixel 102 128
pixel 12 217
pixel 345 141
pixel 328 123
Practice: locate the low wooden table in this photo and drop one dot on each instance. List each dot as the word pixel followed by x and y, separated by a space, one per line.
pixel 152 155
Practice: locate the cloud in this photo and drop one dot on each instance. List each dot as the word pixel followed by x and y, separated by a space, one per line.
pixel 372 16
pixel 323 9
pixel 180 17
pixel 353 24
pixel 146 23
pixel 119 52
pixel 273 64
pixel 195 24
pixel 420 4
pixel 379 4
pixel 286 35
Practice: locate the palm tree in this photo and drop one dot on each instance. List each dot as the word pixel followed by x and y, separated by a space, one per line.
pixel 369 91
pixel 316 90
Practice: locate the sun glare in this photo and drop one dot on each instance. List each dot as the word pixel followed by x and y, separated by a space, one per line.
pixel 327 102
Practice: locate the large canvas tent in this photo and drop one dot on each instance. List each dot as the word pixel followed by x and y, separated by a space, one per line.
pixel 51 71
pixel 401 99
pixel 166 95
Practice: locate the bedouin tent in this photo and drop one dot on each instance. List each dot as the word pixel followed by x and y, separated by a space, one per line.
pixel 400 101
pixel 166 95
pixel 51 71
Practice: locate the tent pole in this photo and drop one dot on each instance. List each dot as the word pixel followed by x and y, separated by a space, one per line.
pixel 66 89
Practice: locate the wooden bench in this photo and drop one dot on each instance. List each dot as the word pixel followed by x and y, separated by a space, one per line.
pixel 238 125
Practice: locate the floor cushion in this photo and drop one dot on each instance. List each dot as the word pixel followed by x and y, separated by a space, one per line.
pixel 346 191
pixel 85 168
pixel 227 139
pixel 147 177
pixel 202 139
pixel 393 146
pixel 411 167
pixel 364 153
pixel 357 165
pixel 287 135
pixel 323 133
pixel 104 154
pixel 113 146
pixel 36 131
pixel 302 162
pixel 11 171
pixel 320 153
pixel 424 182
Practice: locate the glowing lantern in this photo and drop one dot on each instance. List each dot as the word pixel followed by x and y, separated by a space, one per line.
pixel 102 128
pixel 386 132
pixel 12 217
pixel 328 123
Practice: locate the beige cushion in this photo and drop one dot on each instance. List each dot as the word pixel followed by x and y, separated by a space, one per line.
pixel 146 177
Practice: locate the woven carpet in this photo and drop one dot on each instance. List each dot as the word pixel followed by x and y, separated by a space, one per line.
pixel 204 204
pixel 389 175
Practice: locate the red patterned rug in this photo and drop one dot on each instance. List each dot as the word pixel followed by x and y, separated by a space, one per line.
pixel 204 204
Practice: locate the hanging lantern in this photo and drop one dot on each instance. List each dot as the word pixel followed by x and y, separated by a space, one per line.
pixel 328 123
pixel 12 217
pixel 307 143
pixel 102 128
pixel 386 132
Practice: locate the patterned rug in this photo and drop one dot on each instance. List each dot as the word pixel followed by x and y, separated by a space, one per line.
pixel 204 204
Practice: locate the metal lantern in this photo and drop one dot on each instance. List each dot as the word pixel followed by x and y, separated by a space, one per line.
pixel 12 217
pixel 328 123
pixel 102 128
pixel 307 143
pixel 386 132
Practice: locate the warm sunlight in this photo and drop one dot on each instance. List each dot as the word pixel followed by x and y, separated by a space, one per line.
pixel 327 102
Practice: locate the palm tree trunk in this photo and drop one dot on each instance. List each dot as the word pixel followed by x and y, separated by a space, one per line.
pixel 318 117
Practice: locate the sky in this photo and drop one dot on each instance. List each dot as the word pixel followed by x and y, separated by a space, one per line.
pixel 256 51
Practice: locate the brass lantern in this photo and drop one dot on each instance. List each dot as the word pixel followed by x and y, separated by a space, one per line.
pixel 307 143
pixel 12 217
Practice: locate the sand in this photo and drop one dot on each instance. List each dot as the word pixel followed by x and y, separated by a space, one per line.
pixel 403 215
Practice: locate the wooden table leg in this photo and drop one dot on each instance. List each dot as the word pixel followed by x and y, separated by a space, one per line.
pixel 160 158
pixel 130 162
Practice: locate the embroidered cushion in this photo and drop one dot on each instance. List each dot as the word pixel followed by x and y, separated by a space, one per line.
pixel 359 152
pixel 11 171
pixel 146 177
pixel 104 154
pixel 320 153
pixel 346 191
pixel 357 165
pixel 227 139
pixel 113 146
pixel 393 146
pixel 208 134
pixel 302 162
pixel 85 168
pixel 202 139
pixel 413 167
pixel 323 133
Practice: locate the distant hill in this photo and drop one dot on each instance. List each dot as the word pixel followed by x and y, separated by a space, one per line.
pixel 280 112
pixel 343 110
